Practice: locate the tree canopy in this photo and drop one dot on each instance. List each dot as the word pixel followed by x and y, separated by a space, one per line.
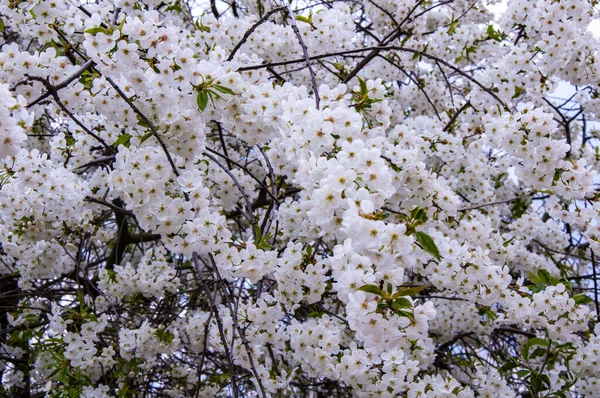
pixel 314 198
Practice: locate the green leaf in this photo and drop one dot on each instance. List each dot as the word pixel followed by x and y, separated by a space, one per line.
pixel 523 373
pixel 124 139
pixel 534 278
pixel 363 86
pixel 518 91
pixel 164 336
pixel 427 244
pixel 533 342
pixel 453 25
pixel 405 314
pixel 419 214
pixel 31 318
pixel 408 291
pixel 202 100
pixel 120 27
pixel 546 380
pixel 536 288
pixel 146 137
pixel 546 278
pixel 582 298
pixel 493 34
pixel 538 353
pixel 1 26
pixel 374 289
pixel 401 303
pixel 223 89
pixel 508 366
pixel 519 207
pixel 96 30
pixel 488 313
pixel 339 67
pixel 302 19
pixel 264 244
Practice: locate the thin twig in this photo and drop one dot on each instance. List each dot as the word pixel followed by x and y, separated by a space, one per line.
pixel 234 311
pixel 53 91
pixel 215 312
pixel 148 123
pixel 416 82
pixel 87 65
pixel 96 162
pixel 382 48
pixel 250 213
pixel 455 116
pixel 496 203
pixel 252 29
pixel 566 123
pixel 393 35
pixel 313 77
pixel 229 160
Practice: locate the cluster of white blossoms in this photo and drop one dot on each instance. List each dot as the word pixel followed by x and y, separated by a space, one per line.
pixel 153 276
pixel 12 114
pixel 42 203
pixel 377 198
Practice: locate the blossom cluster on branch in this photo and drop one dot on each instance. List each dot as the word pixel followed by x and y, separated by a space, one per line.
pixel 241 198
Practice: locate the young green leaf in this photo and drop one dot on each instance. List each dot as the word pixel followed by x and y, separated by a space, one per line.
pixel 523 373
pixel 124 139
pixel 363 87
pixel 389 288
pixel 93 31
pixel 510 365
pixel 493 34
pixel 401 303
pixel 427 244
pixel 408 291
pixel 535 341
pixel 374 289
pixel 202 100
pixel 302 19
pixel 223 89
pixel 146 137
pixel 582 298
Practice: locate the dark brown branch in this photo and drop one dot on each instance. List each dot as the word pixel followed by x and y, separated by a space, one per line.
pixel 113 207
pixel 96 162
pixel 595 280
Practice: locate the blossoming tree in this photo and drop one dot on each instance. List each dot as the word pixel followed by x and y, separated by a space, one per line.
pixel 298 198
